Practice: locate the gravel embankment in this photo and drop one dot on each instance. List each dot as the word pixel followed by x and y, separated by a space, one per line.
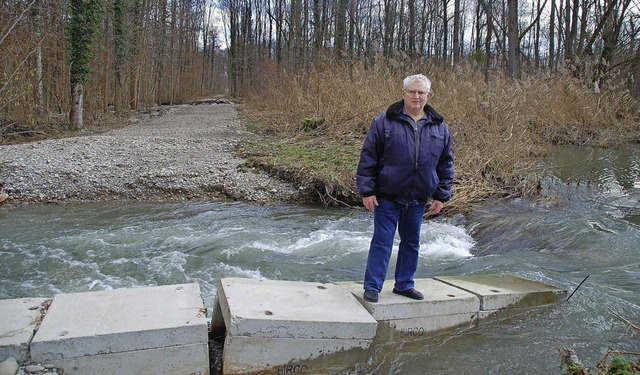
pixel 188 152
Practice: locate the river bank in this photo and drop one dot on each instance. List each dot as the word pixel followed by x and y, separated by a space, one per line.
pixel 184 152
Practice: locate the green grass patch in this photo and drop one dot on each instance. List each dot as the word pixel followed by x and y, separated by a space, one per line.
pixel 324 168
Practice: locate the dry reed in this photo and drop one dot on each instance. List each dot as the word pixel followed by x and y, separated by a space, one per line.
pixel 500 129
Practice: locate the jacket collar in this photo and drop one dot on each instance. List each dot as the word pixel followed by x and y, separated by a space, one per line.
pixel 395 110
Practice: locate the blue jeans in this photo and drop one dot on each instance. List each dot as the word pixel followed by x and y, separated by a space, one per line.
pixel 388 216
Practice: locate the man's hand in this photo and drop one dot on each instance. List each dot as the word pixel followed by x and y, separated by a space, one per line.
pixel 436 207
pixel 370 202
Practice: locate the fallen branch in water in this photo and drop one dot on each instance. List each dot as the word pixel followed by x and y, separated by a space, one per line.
pixel 627 322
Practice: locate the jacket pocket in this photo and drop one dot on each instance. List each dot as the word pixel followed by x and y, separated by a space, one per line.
pixel 436 145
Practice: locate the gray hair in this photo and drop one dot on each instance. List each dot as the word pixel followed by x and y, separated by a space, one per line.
pixel 417 78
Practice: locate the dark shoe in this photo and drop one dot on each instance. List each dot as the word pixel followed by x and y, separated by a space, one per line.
pixel 371 295
pixel 411 293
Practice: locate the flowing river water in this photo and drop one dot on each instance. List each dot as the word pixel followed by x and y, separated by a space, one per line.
pixel 588 224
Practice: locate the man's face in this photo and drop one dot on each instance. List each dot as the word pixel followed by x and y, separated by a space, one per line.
pixel 415 96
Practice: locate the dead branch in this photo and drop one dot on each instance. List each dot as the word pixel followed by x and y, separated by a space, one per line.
pixel 2 129
pixel 338 201
pixel 627 322
pixel 25 132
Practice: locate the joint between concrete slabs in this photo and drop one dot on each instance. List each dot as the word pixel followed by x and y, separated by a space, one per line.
pixel 477 295
pixel 505 291
pixel 20 319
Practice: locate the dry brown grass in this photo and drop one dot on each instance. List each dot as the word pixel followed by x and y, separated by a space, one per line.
pixel 500 130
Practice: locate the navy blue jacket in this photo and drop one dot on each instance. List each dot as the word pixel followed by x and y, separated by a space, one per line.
pixel 390 167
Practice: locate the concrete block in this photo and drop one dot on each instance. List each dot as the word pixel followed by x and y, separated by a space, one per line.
pixel 80 327
pixel 183 359
pixel 278 356
pixel 439 299
pixel 413 328
pixel 505 291
pixel 272 323
pixel 18 320
pixel 289 309
pixel 443 307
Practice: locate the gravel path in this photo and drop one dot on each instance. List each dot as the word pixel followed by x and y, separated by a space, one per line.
pixel 187 152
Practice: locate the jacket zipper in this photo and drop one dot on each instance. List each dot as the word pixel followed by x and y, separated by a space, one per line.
pixel 416 145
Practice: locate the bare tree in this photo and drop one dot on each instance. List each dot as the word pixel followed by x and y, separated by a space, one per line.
pixel 552 39
pixel 457 19
pixel 514 41
pixel 341 28
pixel 83 26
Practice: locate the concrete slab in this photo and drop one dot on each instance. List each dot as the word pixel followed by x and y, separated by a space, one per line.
pixel 498 292
pixel 290 309
pixel 275 356
pixel 439 299
pixel 443 307
pixel 18 320
pixel 83 326
pixel 273 326
pixel 412 328
pixel 172 360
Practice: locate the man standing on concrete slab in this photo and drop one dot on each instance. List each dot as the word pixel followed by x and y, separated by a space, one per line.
pixel 406 160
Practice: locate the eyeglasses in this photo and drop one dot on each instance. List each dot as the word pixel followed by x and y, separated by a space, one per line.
pixel 413 92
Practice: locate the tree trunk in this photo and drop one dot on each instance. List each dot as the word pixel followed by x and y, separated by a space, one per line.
pixel 536 45
pixel 568 41
pixel 389 26
pixel 317 24
pixel 172 51
pixel 279 18
pixel 487 42
pixel 445 30
pixel 160 42
pixel 552 29
pixel 478 28
pixel 401 37
pixel 574 29
pixel 120 11
pixel 514 41
pixel 38 33
pixel 82 28
pixel 351 39
pixel 456 32
pixel 411 47
pixel 77 99
pixel 138 39
pixel 340 30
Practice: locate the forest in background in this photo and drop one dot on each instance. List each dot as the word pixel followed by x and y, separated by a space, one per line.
pixel 511 77
pixel 149 52
pixel 140 53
